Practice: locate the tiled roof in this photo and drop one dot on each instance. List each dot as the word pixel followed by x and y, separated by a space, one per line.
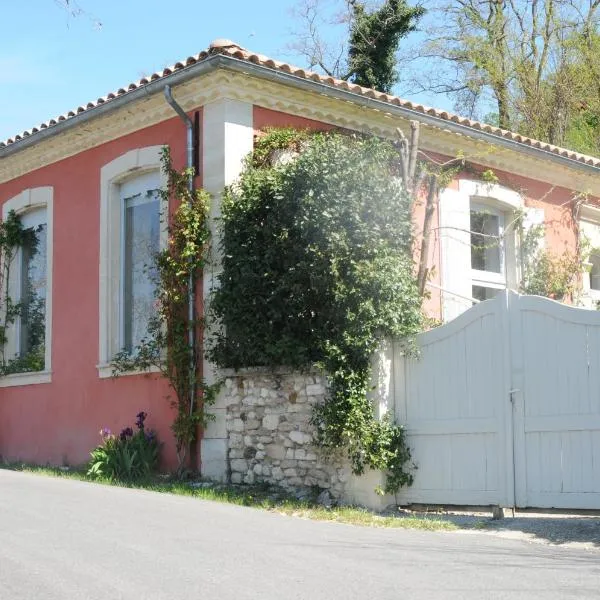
pixel 233 50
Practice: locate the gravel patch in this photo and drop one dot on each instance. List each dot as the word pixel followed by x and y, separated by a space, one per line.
pixel 566 530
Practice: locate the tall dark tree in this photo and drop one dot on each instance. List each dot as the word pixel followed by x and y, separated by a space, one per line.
pixel 374 41
pixel 366 51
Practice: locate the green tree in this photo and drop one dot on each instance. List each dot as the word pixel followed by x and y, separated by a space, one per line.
pixel 366 53
pixel 534 61
pixel 374 41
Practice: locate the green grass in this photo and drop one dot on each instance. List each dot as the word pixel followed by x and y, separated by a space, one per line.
pixel 260 496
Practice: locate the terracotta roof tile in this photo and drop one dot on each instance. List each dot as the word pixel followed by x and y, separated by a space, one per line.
pixel 233 50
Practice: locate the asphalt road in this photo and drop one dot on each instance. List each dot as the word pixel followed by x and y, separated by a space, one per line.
pixel 70 540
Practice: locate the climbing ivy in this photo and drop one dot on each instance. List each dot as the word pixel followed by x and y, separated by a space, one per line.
pixel 166 345
pixel 318 269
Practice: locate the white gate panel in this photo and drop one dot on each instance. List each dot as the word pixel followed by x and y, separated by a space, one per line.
pixel 450 399
pixel 556 367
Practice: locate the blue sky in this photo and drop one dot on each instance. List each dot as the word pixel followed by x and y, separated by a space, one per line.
pixel 51 62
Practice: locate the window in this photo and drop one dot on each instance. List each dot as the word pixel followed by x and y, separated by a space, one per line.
pixel 27 352
pixel 32 292
pixel 478 248
pixel 140 243
pixel 487 251
pixel 132 231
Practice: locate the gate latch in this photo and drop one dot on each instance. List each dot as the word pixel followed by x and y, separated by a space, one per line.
pixel 511 395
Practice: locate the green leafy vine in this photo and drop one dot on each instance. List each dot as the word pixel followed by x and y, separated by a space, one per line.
pixel 166 346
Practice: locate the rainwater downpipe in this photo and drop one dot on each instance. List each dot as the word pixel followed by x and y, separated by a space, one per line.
pixel 191 281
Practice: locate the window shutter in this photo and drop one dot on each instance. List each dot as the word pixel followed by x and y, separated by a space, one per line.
pixel 455 239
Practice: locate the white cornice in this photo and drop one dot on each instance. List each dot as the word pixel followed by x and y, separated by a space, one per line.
pixel 223 83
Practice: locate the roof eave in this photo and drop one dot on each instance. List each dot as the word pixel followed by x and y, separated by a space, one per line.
pixel 200 68
pixel 235 64
pixel 403 112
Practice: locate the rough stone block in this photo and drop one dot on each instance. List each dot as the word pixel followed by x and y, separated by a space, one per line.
pixel 300 438
pixel 276 452
pixel 240 465
pixel 315 389
pixel 235 440
pixel 237 425
pixel 270 421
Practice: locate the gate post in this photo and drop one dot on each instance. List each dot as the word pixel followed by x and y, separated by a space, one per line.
pixel 505 412
pixel 517 399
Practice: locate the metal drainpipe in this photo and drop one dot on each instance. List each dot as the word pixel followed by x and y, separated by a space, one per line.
pixel 191 282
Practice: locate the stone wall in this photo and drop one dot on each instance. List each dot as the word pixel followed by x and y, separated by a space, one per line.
pixel 269 432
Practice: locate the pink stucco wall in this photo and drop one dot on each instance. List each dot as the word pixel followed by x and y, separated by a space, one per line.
pixel 59 422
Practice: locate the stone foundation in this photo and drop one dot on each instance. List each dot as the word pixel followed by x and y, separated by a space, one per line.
pixel 270 437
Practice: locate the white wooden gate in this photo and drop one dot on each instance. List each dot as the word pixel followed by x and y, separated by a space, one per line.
pixel 503 406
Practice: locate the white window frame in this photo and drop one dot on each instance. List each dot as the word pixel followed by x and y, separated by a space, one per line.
pixel 125 167
pixel 502 201
pixel 490 279
pixel 29 200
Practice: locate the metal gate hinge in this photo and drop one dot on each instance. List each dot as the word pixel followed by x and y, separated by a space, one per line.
pixel 511 394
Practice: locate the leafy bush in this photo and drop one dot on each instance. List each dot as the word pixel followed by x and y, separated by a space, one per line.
pixel 546 273
pixel 130 456
pixel 318 269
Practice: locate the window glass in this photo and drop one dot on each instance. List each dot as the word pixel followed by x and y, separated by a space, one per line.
pixel 141 239
pixel 485 241
pixel 33 296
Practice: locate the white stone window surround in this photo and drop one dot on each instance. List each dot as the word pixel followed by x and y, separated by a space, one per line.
pixel 502 201
pixel 28 200
pixel 457 276
pixel 126 167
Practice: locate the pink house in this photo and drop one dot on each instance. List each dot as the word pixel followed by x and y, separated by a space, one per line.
pixel 86 180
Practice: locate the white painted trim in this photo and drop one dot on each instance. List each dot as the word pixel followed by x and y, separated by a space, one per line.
pixel 135 162
pixel 508 199
pixel 228 136
pixel 19 379
pixel 105 371
pixel 30 199
pixel 587 212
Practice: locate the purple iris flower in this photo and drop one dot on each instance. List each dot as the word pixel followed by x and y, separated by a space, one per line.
pixel 105 432
pixel 140 418
pixel 150 435
pixel 126 433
